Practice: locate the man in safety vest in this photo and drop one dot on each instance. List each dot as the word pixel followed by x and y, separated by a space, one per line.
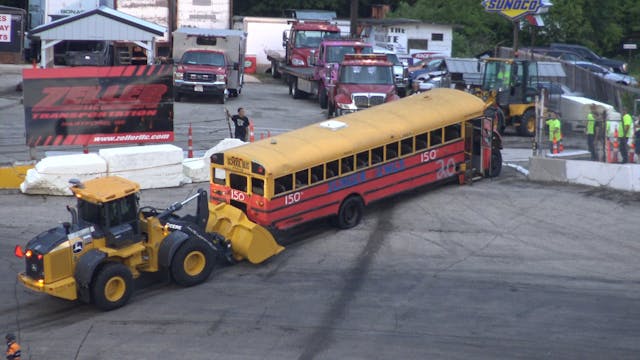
pixel 623 136
pixel 13 348
pixel 591 127
pixel 504 75
pixel 555 132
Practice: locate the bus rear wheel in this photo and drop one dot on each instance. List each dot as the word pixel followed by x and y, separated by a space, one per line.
pixel 350 212
pixel 496 163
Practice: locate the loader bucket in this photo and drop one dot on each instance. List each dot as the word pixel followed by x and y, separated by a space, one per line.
pixel 248 240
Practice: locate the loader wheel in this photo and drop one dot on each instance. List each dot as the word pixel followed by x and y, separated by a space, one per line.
pixel 192 263
pixel 528 123
pixel 350 212
pixel 112 287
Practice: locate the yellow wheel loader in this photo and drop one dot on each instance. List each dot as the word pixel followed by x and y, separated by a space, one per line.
pixel 110 241
pixel 509 87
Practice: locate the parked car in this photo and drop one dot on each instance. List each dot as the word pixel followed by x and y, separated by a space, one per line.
pixel 428 69
pixel 617 66
pixel 555 91
pixel 607 74
pixel 400 70
pixel 559 54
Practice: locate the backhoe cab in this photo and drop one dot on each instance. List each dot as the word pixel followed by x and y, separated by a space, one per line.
pixel 110 241
pixel 509 87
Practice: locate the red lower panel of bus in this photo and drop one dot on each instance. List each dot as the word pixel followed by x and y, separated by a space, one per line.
pixel 375 183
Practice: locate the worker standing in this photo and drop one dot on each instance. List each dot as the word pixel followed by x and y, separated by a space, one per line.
pixel 13 348
pixel 591 126
pixel 623 136
pixel 241 122
pixel 555 132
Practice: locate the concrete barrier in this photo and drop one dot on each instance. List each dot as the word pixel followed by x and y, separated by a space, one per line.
pixel 624 177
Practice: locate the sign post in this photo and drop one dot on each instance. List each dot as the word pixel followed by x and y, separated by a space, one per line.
pixel 516 10
pixel 629 47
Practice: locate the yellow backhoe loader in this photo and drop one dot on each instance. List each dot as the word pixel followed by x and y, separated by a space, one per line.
pixel 110 241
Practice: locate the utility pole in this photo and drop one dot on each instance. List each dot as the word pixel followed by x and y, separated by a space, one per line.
pixel 171 22
pixel 354 18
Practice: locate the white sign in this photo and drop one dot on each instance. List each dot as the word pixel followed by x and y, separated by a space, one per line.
pixel 629 46
pixel 5 28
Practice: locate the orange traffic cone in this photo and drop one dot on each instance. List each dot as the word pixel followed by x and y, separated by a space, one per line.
pixel 632 152
pixel 251 135
pixel 555 146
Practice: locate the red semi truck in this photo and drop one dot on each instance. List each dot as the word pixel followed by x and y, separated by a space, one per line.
pixel 364 80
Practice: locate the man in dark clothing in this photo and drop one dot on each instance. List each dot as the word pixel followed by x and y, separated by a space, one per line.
pixel 241 122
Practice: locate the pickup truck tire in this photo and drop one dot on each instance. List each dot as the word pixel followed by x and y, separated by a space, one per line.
pixel 274 70
pixel 322 98
pixel 112 286
pixel 177 97
pixel 192 263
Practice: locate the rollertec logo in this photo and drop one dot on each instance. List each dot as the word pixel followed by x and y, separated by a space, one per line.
pixel 513 9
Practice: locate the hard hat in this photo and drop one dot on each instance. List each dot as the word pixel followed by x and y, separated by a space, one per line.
pixel 10 337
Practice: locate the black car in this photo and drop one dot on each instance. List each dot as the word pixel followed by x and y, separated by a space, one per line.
pixel 588 55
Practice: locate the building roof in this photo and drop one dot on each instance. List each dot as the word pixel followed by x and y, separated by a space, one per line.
pixel 102 23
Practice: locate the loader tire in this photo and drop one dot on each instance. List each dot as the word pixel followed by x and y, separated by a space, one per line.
pixel 192 263
pixel 112 286
pixel 350 212
pixel 528 123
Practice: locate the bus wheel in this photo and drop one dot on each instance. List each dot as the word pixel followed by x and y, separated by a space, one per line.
pixel 192 263
pixel 496 163
pixel 350 212
pixel 528 123
pixel 112 286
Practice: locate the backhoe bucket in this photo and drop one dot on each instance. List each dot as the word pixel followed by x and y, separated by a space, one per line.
pixel 248 240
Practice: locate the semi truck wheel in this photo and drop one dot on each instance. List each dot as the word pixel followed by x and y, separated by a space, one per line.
pixel 192 263
pixel 350 212
pixel 528 123
pixel 112 286
pixel 322 98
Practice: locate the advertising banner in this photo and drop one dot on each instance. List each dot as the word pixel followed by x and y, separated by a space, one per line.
pixel 5 27
pixel 98 105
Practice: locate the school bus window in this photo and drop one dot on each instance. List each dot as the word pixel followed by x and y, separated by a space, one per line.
pixel 317 173
pixel 452 132
pixel 406 146
pixel 436 137
pixel 422 141
pixel 362 160
pixel 238 182
pixel 377 155
pixel 332 169
pixel 346 164
pixel 219 176
pixel 257 186
pixel 283 184
pixel 302 178
pixel 392 150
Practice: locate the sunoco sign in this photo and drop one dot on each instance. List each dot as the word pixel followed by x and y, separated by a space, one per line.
pixel 513 9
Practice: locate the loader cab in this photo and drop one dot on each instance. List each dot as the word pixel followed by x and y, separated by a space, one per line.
pixel 111 206
pixel 514 81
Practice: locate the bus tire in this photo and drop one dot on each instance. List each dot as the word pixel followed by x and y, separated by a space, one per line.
pixel 112 286
pixel 322 98
pixel 350 212
pixel 496 163
pixel 192 263
pixel 528 123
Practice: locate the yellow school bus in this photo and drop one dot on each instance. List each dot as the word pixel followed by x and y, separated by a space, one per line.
pixel 336 167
